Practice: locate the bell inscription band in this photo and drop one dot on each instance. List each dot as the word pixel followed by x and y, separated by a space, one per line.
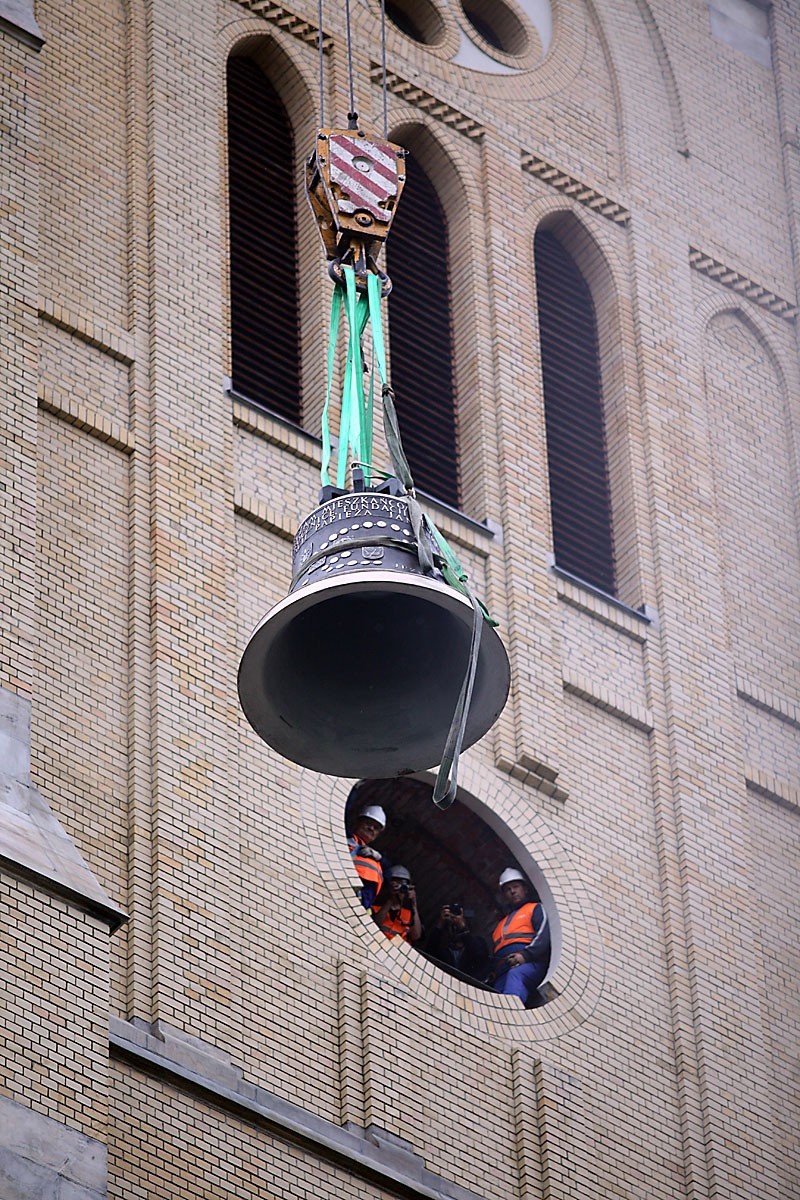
pixel 358 670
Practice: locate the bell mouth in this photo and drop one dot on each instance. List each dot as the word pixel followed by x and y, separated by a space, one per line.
pixel 360 676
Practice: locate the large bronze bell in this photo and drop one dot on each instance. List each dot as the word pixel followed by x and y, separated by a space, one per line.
pixel 358 670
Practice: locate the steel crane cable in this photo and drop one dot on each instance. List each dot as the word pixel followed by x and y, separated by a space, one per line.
pixel 321 51
pixel 383 65
pixel 352 114
pixel 321 55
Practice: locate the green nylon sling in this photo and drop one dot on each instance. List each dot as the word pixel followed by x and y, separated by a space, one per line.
pixel 355 444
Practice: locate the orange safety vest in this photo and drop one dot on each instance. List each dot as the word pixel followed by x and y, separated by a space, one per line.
pixel 369 869
pixel 516 928
pixel 400 924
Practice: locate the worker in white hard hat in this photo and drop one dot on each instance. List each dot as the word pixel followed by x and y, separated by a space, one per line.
pixel 370 823
pixel 396 911
pixel 521 940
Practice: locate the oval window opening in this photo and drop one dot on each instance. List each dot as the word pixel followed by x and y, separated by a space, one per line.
pixel 433 878
pixel 417 19
pixel 497 24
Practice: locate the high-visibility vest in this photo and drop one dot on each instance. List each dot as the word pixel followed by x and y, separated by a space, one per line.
pixel 369 869
pixel 516 929
pixel 400 924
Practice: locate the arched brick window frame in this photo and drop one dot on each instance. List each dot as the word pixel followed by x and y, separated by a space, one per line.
pixel 608 436
pixel 263 242
pixel 275 313
pixel 580 493
pixel 452 164
pixel 421 330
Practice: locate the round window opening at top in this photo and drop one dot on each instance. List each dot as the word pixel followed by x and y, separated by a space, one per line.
pixel 434 878
pixel 498 25
pixel 417 19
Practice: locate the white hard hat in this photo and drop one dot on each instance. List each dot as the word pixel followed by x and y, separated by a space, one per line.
pixel 401 873
pixel 375 813
pixel 510 875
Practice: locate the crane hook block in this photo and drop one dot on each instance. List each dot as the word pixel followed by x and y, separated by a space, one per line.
pixel 353 186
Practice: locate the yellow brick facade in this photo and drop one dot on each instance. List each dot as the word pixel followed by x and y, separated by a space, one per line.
pixel 247 1032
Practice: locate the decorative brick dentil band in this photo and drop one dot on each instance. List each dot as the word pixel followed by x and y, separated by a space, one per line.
pixel 562 181
pixel 742 284
pixel 432 105
pixel 293 24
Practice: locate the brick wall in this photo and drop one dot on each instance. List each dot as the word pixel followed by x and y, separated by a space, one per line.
pixel 644 771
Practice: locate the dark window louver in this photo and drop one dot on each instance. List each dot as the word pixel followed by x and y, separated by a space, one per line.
pixel 421 337
pixel 263 243
pixel 576 451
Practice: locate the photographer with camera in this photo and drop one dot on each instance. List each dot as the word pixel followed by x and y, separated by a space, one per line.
pixel 453 945
pixel 396 910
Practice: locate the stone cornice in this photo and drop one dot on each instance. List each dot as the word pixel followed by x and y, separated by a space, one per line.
pixel 33 843
pixel 370 1154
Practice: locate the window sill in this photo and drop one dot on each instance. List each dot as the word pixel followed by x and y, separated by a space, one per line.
pixel 600 604
pixel 257 419
pixel 274 429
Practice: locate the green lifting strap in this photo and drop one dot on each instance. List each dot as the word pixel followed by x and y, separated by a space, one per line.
pixel 333 334
pixel 355 420
pixel 355 442
pixel 446 785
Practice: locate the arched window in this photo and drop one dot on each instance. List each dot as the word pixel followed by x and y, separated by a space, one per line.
pixel 263 243
pixel 576 449
pixel 421 336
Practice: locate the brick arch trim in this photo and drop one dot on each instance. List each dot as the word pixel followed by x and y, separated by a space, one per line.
pixel 440 153
pixel 286 64
pixel 717 306
pixel 577 975
pixel 599 249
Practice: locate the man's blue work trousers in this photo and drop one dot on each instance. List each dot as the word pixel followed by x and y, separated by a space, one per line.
pixel 521 981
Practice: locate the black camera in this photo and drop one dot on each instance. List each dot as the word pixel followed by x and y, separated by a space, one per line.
pixel 456 910
pixel 404 887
